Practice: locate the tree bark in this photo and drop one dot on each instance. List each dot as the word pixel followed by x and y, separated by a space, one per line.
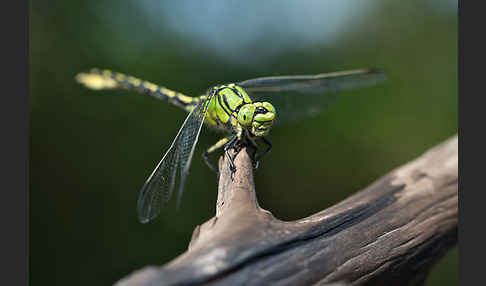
pixel 389 233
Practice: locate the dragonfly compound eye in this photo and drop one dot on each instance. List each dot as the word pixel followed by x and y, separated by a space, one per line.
pixel 245 115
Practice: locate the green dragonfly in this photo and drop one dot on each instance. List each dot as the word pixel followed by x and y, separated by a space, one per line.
pixel 241 109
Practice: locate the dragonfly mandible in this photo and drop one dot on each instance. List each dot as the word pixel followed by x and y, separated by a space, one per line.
pixel 246 110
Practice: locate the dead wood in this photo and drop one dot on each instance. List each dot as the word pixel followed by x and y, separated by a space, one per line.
pixel 389 233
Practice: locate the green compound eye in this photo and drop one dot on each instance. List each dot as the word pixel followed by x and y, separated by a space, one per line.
pixel 245 115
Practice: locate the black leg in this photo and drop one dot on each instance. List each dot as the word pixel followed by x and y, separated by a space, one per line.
pixel 210 165
pixel 213 148
pixel 229 145
pixel 255 151
pixel 266 151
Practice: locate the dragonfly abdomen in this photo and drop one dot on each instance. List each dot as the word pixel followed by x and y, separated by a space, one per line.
pixel 106 79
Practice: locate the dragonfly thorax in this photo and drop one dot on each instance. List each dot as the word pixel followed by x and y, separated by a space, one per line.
pixel 232 109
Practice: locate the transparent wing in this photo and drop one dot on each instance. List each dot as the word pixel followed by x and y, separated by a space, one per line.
pixel 158 188
pixel 299 96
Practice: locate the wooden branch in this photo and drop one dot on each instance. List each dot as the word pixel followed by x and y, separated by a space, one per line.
pixel 390 233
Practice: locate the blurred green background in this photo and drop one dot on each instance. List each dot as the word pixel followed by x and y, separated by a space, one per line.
pixel 90 152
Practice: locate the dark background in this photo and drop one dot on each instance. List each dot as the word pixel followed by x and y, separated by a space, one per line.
pixel 90 152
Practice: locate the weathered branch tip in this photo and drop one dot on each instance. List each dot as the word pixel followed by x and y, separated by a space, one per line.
pixel 389 233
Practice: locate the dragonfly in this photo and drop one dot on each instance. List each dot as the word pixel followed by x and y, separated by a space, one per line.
pixel 245 110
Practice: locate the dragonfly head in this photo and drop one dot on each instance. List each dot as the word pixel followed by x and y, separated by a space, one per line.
pixel 257 117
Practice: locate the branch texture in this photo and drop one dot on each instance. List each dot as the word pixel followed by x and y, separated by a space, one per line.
pixel 389 233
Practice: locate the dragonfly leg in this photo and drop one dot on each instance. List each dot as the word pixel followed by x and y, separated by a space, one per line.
pixel 211 149
pixel 255 148
pixel 269 143
pixel 229 145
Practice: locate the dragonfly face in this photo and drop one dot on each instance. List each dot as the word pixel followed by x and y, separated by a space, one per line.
pixel 257 117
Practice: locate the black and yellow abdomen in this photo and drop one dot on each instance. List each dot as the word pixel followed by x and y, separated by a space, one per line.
pixel 106 79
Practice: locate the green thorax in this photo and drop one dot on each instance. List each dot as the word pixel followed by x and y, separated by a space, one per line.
pixel 225 105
